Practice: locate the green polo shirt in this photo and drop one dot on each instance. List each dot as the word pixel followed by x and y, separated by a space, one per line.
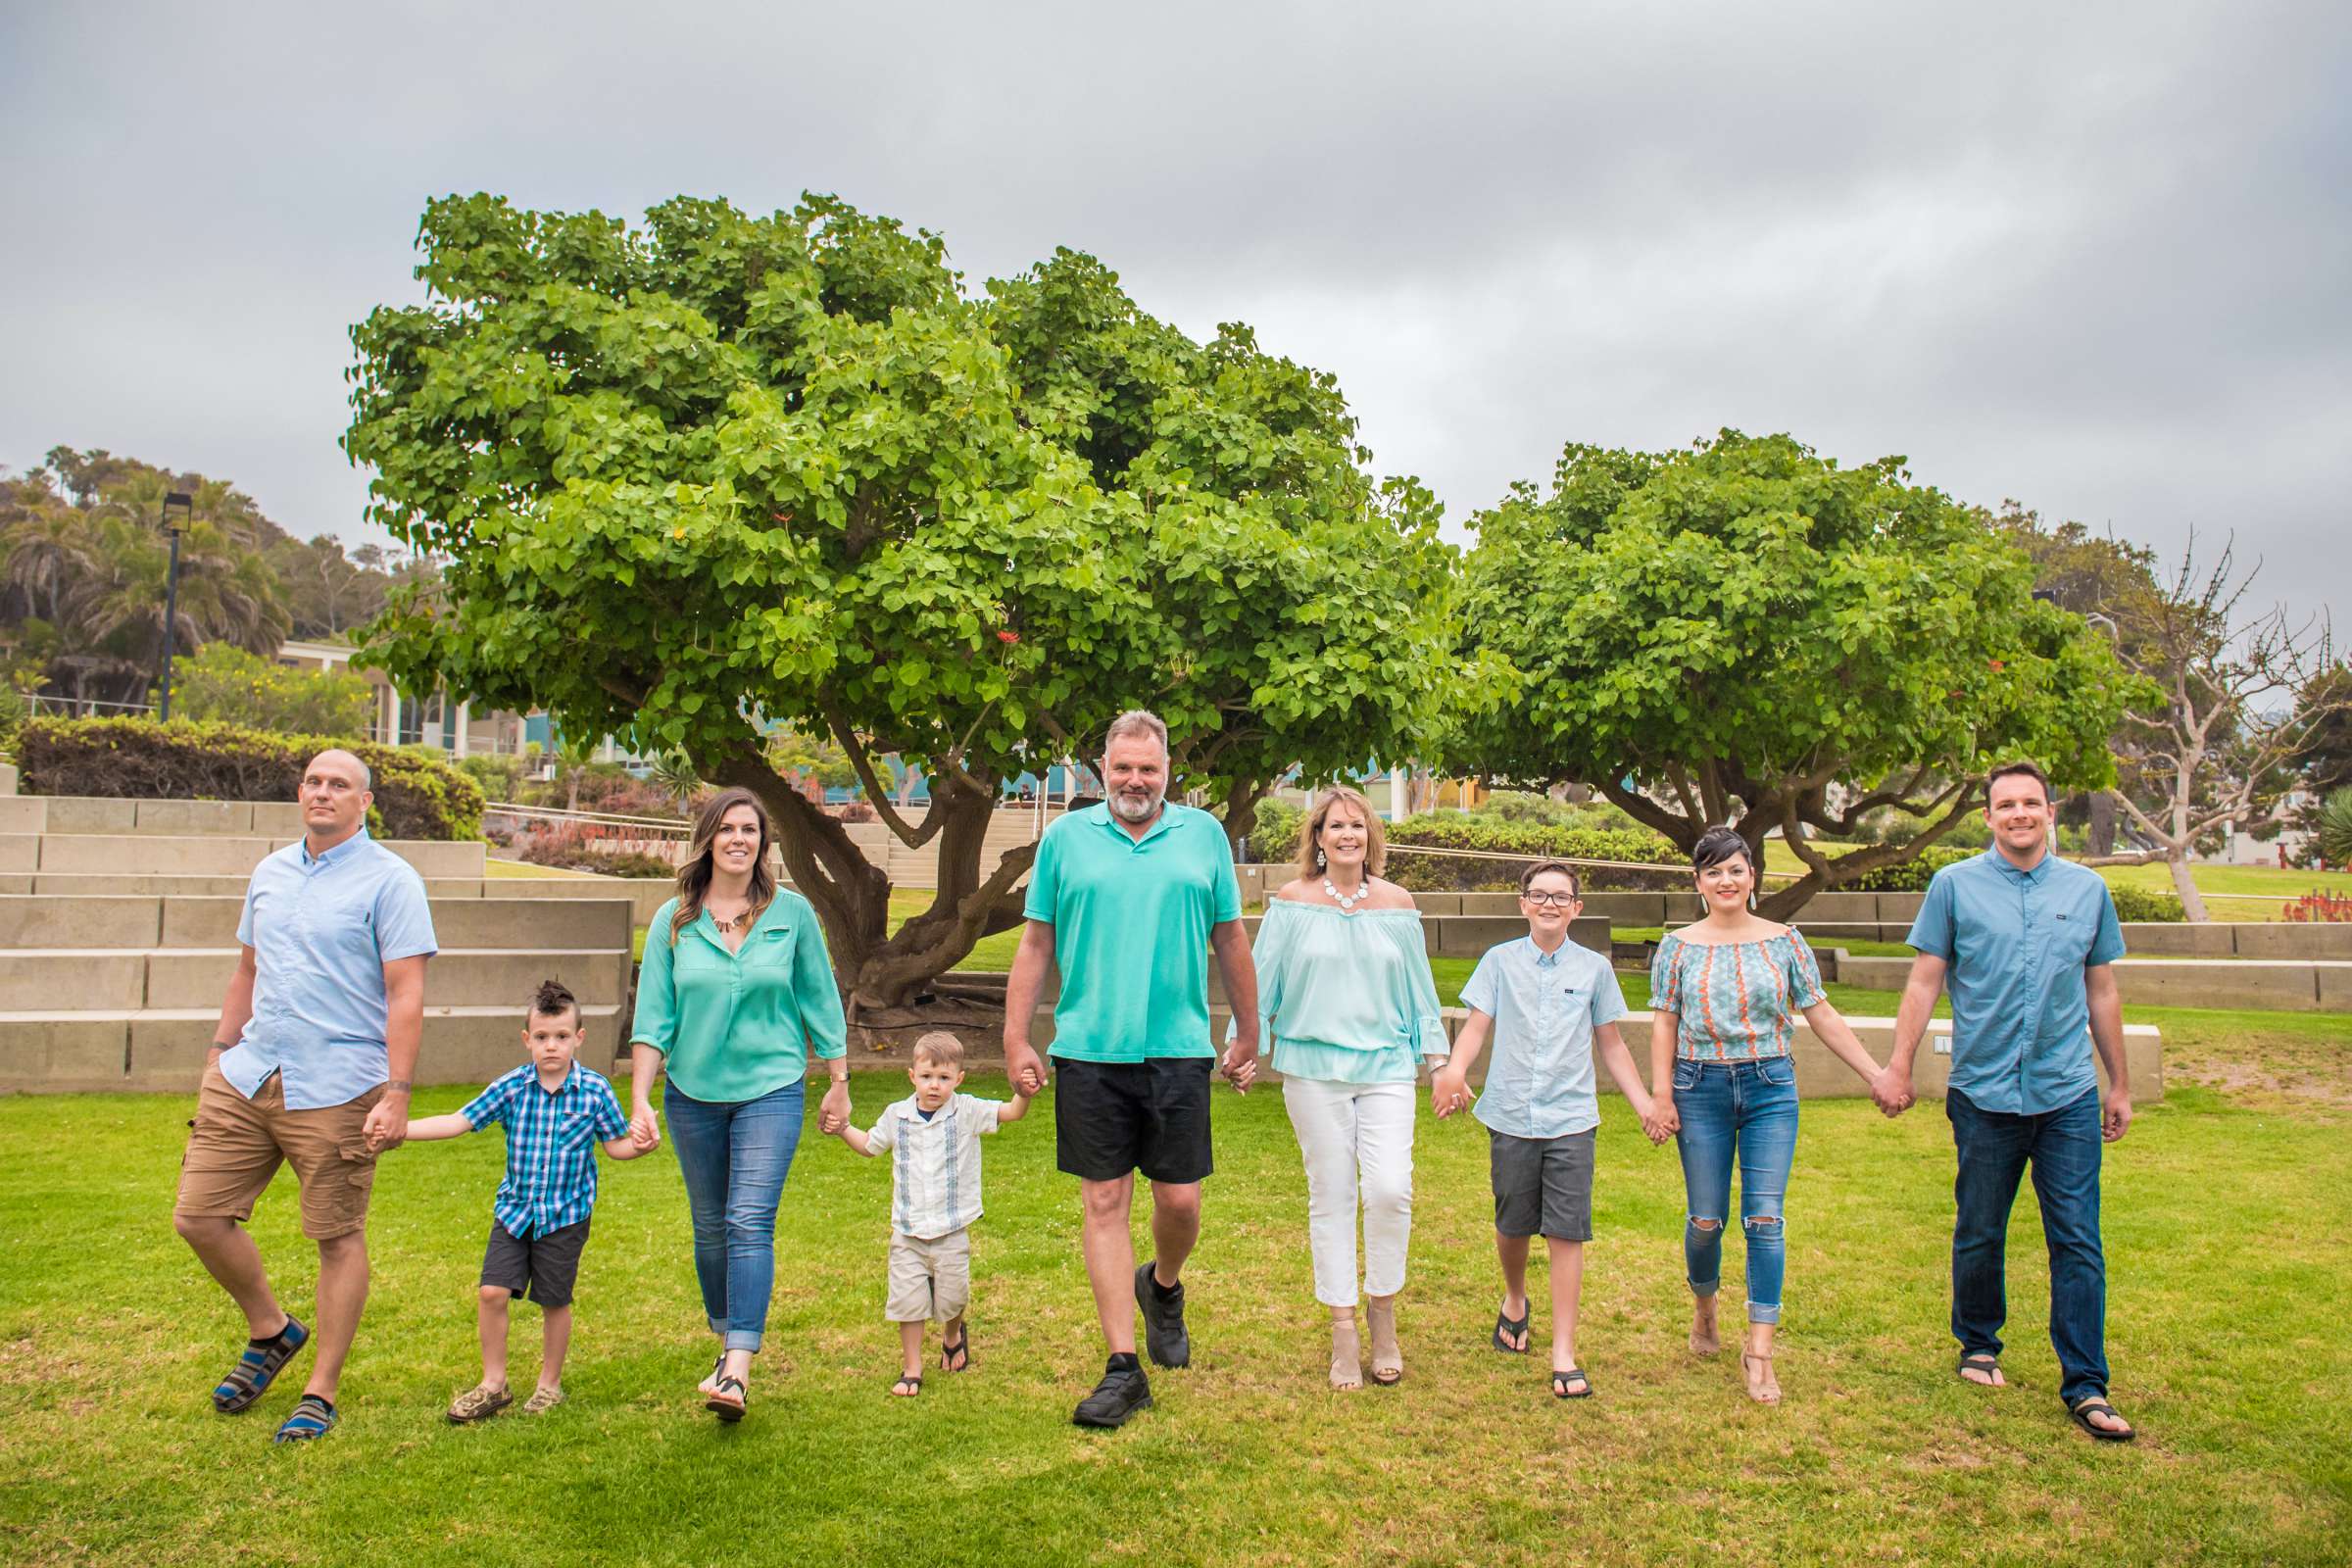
pixel 733 1026
pixel 1131 921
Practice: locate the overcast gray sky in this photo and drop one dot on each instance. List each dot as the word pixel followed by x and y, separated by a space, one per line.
pixel 2094 257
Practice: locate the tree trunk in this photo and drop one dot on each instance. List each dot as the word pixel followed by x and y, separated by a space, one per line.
pixel 2100 834
pixel 2192 902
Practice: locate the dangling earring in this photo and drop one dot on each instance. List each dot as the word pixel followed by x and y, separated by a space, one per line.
pixel 1319 861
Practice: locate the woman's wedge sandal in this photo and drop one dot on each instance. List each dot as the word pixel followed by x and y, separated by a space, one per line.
pixel 1507 1327
pixel 2083 1410
pixel 1387 1358
pixel 1560 1382
pixel 258 1367
pixel 727 1399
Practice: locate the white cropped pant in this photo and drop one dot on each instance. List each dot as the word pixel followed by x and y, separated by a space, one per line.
pixel 1357 1139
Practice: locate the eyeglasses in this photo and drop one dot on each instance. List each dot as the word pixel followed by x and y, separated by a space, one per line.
pixel 1558 901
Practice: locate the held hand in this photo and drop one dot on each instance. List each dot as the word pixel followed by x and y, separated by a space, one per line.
pixel 1240 1067
pixel 1449 1092
pixel 387 1124
pixel 645 1131
pixel 1890 1090
pixel 833 1112
pixel 1023 1066
pixel 2118 1120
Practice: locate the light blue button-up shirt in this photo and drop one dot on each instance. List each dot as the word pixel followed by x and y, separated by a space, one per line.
pixel 1545 1006
pixel 2017 944
pixel 322 929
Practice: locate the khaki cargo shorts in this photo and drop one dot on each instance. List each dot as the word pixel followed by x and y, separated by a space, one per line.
pixel 235 1146
pixel 929 1279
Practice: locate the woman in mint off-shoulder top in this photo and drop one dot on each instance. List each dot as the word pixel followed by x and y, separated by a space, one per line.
pixel 1349 1012
pixel 1725 992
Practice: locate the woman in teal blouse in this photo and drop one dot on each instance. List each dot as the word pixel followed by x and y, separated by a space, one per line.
pixel 735 991
pixel 1349 1009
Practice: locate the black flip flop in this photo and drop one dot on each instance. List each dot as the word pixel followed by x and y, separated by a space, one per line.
pixel 1560 1381
pixel 948 1352
pixel 724 1407
pixel 1979 1361
pixel 909 1381
pixel 2082 1409
pixel 1504 1326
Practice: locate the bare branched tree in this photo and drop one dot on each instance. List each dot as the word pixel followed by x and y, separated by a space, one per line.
pixel 2218 748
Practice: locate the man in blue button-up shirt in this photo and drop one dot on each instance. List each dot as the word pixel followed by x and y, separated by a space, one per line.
pixel 310 1066
pixel 2024 941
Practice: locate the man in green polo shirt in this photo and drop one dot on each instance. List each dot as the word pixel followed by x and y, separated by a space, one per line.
pixel 1128 898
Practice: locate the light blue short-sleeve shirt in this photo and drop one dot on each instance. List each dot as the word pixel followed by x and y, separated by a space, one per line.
pixel 2016 944
pixel 1545 1006
pixel 322 929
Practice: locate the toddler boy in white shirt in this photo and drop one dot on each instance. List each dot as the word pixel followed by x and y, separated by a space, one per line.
pixel 933 1138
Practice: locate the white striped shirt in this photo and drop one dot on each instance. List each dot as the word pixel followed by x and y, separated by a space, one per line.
pixel 935 1163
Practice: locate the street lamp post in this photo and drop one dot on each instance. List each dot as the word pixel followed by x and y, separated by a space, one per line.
pixel 179 507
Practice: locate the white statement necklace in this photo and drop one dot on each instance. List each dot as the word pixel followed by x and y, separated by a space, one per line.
pixel 1348 902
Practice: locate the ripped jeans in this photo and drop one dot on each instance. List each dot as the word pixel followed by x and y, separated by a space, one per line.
pixel 1743 1112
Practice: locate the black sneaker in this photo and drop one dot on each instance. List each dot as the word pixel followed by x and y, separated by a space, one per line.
pixel 1164 1320
pixel 1122 1392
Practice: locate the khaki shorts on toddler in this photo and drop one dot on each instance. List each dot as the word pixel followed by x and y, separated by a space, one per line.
pixel 929 1279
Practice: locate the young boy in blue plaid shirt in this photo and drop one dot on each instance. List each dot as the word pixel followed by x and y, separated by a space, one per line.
pixel 933 1138
pixel 555 1111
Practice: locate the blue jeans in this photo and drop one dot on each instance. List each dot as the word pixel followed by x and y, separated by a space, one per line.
pixel 2063 1147
pixel 735 1159
pixel 1743 1112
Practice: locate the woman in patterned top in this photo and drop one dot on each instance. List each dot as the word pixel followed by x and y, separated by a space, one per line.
pixel 1725 994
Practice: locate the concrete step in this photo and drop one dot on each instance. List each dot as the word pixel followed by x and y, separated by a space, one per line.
pixel 164 1048
pixel 645 895
pixel 92 853
pixel 87 813
pixel 133 922
pixel 127 979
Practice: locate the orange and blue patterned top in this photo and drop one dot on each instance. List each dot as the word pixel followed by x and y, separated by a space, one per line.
pixel 1734 1001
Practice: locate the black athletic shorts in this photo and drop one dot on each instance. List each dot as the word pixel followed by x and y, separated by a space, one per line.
pixel 543 1267
pixel 1111 1118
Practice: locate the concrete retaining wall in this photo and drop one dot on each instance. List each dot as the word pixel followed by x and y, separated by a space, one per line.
pixel 1819 1074
pixel 2273 985
pixel 280 820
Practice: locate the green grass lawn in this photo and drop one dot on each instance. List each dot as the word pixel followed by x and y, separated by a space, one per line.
pixel 2225 1335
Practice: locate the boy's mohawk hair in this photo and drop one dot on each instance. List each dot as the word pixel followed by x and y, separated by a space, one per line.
pixel 553 1000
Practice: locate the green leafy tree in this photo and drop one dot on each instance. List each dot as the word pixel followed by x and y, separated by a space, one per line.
pixel 727 470
pixel 1746 632
pixel 224 683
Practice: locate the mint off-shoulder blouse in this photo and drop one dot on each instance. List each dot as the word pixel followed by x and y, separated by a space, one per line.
pixel 1345 998
pixel 1734 1001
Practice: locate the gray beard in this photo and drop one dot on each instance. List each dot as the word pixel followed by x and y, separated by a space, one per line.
pixel 1125 809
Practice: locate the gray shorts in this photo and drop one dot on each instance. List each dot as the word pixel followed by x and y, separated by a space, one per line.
pixel 1543 1186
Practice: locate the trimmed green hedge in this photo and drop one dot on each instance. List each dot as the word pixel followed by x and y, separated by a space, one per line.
pixel 1908 876
pixel 1275 840
pixel 417 797
pixel 2147 904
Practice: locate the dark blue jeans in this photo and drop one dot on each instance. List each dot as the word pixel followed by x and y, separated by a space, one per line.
pixel 1744 1114
pixel 2063 1147
pixel 735 1159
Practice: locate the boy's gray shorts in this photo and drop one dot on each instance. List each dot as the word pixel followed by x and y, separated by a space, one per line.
pixel 1543 1186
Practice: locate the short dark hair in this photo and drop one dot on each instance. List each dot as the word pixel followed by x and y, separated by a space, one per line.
pixel 553 1000
pixel 2021 769
pixel 1718 845
pixel 1526 878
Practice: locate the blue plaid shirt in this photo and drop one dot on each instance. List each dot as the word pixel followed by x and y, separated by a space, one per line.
pixel 551 1144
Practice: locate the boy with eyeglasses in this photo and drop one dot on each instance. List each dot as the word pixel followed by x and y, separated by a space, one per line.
pixel 1547 1004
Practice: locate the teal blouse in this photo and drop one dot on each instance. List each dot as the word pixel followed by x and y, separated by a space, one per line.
pixel 1345 998
pixel 733 1026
